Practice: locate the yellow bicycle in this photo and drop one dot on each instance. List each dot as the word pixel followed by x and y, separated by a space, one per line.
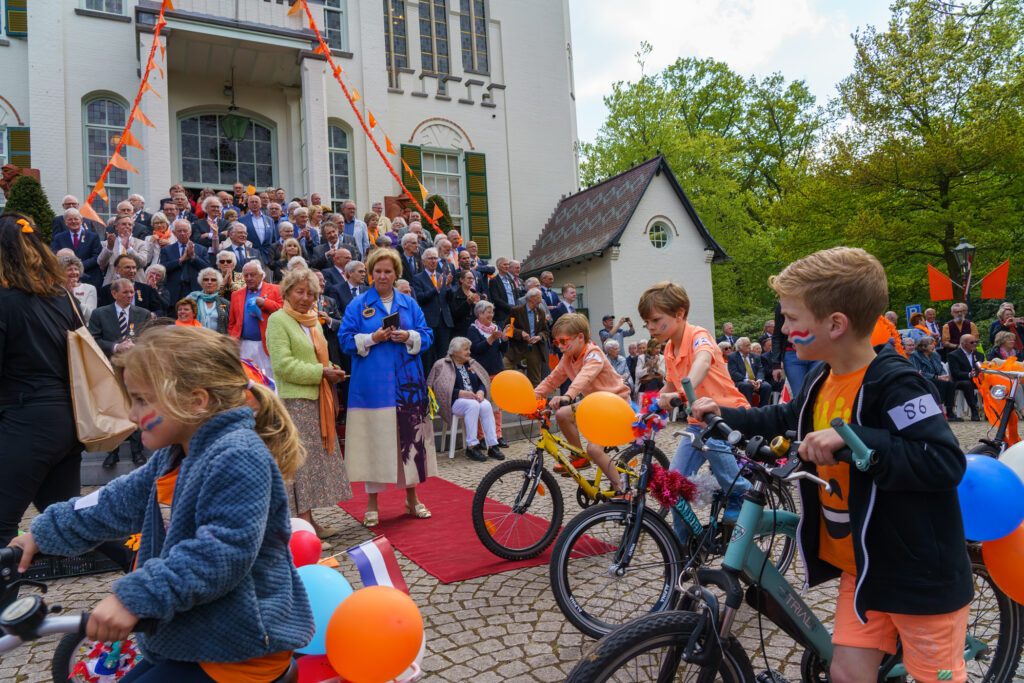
pixel 517 507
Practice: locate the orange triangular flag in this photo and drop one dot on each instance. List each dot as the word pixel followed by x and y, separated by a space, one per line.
pixel 423 193
pixel 122 163
pixel 88 212
pixel 146 86
pixel 355 95
pixel 163 53
pixel 337 70
pixel 373 121
pixel 320 49
pixel 158 68
pixel 387 142
pixel 940 287
pixel 438 213
pixel 168 5
pixel 160 23
pixel 139 116
pixel 407 169
pixel 101 191
pixel 129 139
pixel 993 285
pixel 295 7
pixel 329 562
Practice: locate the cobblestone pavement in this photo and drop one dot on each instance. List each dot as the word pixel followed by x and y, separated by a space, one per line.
pixel 503 627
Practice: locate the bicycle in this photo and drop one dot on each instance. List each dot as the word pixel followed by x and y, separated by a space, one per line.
pixel 654 647
pixel 1013 400
pixel 517 507
pixel 616 562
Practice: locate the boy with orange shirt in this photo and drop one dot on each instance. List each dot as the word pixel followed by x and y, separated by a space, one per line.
pixel 584 363
pixel 893 534
pixel 691 351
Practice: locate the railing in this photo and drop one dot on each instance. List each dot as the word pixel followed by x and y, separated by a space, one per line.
pixel 265 12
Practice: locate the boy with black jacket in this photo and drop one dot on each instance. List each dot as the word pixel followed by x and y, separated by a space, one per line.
pixel 894 533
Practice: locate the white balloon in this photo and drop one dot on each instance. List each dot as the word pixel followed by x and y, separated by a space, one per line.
pixel 302 525
pixel 1013 457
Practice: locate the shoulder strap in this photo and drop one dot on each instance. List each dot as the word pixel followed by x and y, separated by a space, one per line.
pixel 74 306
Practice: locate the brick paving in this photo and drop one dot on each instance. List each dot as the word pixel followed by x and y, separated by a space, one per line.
pixel 503 627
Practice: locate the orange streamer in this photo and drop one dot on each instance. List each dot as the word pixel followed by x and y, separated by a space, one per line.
pixel 101 191
pixel 128 139
pixel 391 148
pixel 373 121
pixel 88 212
pixel 137 114
pixel 120 162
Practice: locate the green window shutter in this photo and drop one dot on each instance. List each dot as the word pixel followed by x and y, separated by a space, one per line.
pixel 414 159
pixel 19 147
pixel 16 19
pixel 479 219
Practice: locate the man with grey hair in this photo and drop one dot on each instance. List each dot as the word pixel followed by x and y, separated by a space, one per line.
pixel 416 228
pixel 251 306
pixel 748 374
pixel 353 227
pixel 534 283
pixel 206 231
pixel 307 235
pixel 139 230
pixel 352 285
pixel 183 260
pixel 446 255
pixel 383 222
pixel 70 201
pixel 433 287
pixel 238 245
pixel 83 242
pixel 140 214
pixel 502 293
pixel 275 212
pixel 120 242
pixel 411 264
pixel 547 283
pixel 530 337
pixel 619 364
pixel 514 268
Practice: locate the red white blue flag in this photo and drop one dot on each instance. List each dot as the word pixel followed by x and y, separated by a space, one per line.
pixel 377 565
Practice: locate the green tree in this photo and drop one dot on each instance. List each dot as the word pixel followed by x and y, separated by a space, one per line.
pixel 27 197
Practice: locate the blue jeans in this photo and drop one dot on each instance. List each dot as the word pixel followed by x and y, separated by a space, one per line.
pixel 147 671
pixel 796 371
pixel 688 460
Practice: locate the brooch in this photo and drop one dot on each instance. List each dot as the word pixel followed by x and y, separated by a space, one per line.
pixel 369 312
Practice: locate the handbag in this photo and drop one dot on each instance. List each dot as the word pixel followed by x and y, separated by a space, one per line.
pixel 100 402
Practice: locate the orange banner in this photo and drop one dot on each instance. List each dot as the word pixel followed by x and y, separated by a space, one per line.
pixel 119 161
pixel 940 287
pixel 88 212
pixel 99 190
pixel 387 143
pixel 438 213
pixel 993 285
pixel 138 115
pixel 373 121
pixel 129 139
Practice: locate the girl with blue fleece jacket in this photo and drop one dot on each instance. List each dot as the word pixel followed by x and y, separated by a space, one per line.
pixel 213 566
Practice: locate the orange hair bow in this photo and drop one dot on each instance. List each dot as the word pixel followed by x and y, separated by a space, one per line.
pixel 25 227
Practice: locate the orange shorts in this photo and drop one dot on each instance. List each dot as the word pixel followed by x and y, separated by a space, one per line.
pixel 933 644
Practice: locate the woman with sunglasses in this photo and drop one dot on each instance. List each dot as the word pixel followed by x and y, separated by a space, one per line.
pixel 230 279
pixel 584 363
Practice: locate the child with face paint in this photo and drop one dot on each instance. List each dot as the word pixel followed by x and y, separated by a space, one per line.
pixel 213 566
pixel 892 534
pixel 691 351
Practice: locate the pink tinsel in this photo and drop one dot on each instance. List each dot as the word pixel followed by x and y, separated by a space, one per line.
pixel 668 486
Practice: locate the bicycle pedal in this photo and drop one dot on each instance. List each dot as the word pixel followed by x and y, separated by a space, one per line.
pixel 770 676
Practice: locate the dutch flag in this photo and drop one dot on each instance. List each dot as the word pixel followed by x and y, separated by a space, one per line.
pixel 377 565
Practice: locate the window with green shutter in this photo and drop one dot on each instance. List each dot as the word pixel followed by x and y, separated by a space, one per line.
pixel 19 147
pixel 413 158
pixel 476 193
pixel 16 19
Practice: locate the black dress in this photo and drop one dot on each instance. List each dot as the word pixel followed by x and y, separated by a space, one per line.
pixel 462 313
pixel 40 454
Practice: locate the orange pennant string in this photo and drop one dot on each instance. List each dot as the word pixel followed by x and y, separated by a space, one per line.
pixel 163 53
pixel 129 139
pixel 355 95
pixel 137 114
pixel 168 5
pixel 160 23
pixel 438 213
pixel 295 7
pixel 88 212
pixel 407 169
pixel 320 49
pixel 146 86
pixel 100 191
pixel 387 143
pixel 120 162
pixel 373 121
pixel 423 193
pixel 337 71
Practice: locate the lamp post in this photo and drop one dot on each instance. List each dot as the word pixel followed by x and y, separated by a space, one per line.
pixel 964 255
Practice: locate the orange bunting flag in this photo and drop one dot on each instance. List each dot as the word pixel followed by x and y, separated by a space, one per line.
pixel 993 285
pixel 100 191
pixel 168 5
pixel 391 148
pixel 120 162
pixel 423 193
pixel 355 95
pixel 320 49
pixel 373 121
pixel 940 287
pixel 407 169
pixel 163 52
pixel 138 115
pixel 129 139
pixel 88 212
pixel 160 23
pixel 337 70
pixel 438 213
pixel 295 7
pixel 146 86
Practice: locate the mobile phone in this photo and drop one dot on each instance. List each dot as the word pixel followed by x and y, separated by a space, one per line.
pixel 391 321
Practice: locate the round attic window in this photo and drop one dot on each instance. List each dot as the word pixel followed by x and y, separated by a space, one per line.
pixel 659 235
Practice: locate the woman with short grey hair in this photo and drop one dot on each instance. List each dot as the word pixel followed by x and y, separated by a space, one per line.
pixel 488 344
pixel 213 309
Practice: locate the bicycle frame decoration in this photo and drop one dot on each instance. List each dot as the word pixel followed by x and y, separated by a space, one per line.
pixel 645 425
pixel 107 662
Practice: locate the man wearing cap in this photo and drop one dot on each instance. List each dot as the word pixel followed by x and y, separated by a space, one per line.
pixel 613 330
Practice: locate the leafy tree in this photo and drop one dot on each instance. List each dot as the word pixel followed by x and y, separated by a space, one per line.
pixel 27 197
pixel 445 221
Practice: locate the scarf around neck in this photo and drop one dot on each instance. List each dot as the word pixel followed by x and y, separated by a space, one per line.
pixel 327 405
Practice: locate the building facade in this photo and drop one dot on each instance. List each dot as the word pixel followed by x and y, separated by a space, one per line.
pixel 476 95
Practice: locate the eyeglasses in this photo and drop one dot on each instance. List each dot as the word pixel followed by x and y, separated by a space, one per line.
pixel 224 262
pixel 561 341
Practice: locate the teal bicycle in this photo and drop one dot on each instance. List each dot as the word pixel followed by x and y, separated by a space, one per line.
pixel 696 641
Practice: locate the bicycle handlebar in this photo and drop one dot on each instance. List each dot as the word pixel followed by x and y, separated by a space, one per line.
pixel 857 453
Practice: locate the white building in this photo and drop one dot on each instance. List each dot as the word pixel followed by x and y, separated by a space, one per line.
pixel 478 93
pixel 618 237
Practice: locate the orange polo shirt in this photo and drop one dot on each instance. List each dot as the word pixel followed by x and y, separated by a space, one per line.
pixel 717 386
pixel 590 371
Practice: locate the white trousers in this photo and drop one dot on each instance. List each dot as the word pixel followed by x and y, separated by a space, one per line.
pixel 253 350
pixel 473 412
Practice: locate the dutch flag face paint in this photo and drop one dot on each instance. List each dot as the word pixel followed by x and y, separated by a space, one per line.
pixel 804 337
pixel 150 421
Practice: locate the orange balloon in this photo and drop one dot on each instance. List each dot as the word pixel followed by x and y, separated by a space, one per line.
pixel 1004 558
pixel 513 392
pixel 605 419
pixel 374 635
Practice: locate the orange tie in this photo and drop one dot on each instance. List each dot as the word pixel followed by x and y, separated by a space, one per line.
pixel 434 279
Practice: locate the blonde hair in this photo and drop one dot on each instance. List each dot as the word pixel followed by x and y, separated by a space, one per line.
pixel 296 276
pixel 845 280
pixel 573 324
pixel 385 253
pixel 665 296
pixel 290 242
pixel 206 360
pixel 1002 337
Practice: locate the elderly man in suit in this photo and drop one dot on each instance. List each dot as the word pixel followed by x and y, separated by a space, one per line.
pixel 114 327
pixel 962 361
pixel 727 335
pixel 433 288
pixel 139 210
pixel 183 260
pixel 747 373
pixel 206 230
pixel 237 245
pixel 353 227
pixel 145 296
pixel 411 263
pixel 121 242
pixel 322 256
pixel 251 306
pixel 139 230
pixel 71 202
pixel 530 336
pixel 85 243
pixel 335 273
pixel 350 287
pixel 502 291
pixel 183 207
pixel 307 235
pixel 262 233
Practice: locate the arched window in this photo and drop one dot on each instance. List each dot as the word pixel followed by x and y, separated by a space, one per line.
pixel 104 120
pixel 339 147
pixel 209 158
pixel 659 235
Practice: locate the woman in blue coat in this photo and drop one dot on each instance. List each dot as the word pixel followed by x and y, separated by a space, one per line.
pixel 388 434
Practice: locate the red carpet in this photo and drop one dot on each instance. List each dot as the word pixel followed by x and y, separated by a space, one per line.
pixel 445 545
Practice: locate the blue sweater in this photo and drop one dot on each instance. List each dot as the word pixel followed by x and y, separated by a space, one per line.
pixel 222 582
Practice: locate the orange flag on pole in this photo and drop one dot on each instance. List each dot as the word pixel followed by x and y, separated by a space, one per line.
pixel 122 163
pixel 129 139
pixel 438 213
pixel 100 191
pixel 373 121
pixel 137 114
pixel 295 7
pixel 940 287
pixel 320 49
pixel 387 143
pixel 88 212
pixel 993 285
pixel 423 193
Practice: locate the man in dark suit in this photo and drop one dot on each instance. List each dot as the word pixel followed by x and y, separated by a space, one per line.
pixel 568 303
pixel 322 255
pixel 71 202
pixel 334 274
pixel 114 327
pixel 140 214
pixel 548 294
pixel 183 260
pixel 502 291
pixel 961 371
pixel 727 335
pixel 183 208
pixel 204 229
pixel 411 263
pixel 85 243
pixel 145 296
pixel 747 373
pixel 433 288
pixel 260 228
pixel 530 336
pixel 243 254
pixel 351 286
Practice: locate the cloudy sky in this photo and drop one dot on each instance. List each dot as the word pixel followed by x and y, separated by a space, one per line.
pixel 802 39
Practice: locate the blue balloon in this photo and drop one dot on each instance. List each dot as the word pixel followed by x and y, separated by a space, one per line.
pixel 326 589
pixel 991 499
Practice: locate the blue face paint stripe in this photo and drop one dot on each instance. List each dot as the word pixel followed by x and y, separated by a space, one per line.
pixel 801 337
pixel 151 421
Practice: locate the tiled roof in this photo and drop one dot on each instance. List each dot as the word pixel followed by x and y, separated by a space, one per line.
pixel 590 221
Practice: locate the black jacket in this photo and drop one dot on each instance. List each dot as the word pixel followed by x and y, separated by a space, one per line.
pixel 960 367
pixel 907 527
pixel 738 371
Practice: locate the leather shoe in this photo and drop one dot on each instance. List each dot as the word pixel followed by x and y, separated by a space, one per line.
pixel 138 459
pixel 111 460
pixel 502 443
pixel 476 453
pixel 953 418
pixel 975 418
pixel 495 452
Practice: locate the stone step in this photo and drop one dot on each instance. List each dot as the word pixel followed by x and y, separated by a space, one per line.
pixel 92 470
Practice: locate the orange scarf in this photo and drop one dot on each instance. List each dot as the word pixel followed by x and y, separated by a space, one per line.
pixel 328 407
pixel 191 323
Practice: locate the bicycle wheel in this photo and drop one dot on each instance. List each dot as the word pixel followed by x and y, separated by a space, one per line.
pixel 650 649
pixel 628 461
pixel 997 621
pixel 517 509
pixel 780 548
pixel 595 597
pixel 71 650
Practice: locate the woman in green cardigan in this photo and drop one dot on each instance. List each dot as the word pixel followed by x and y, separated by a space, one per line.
pixel 305 378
